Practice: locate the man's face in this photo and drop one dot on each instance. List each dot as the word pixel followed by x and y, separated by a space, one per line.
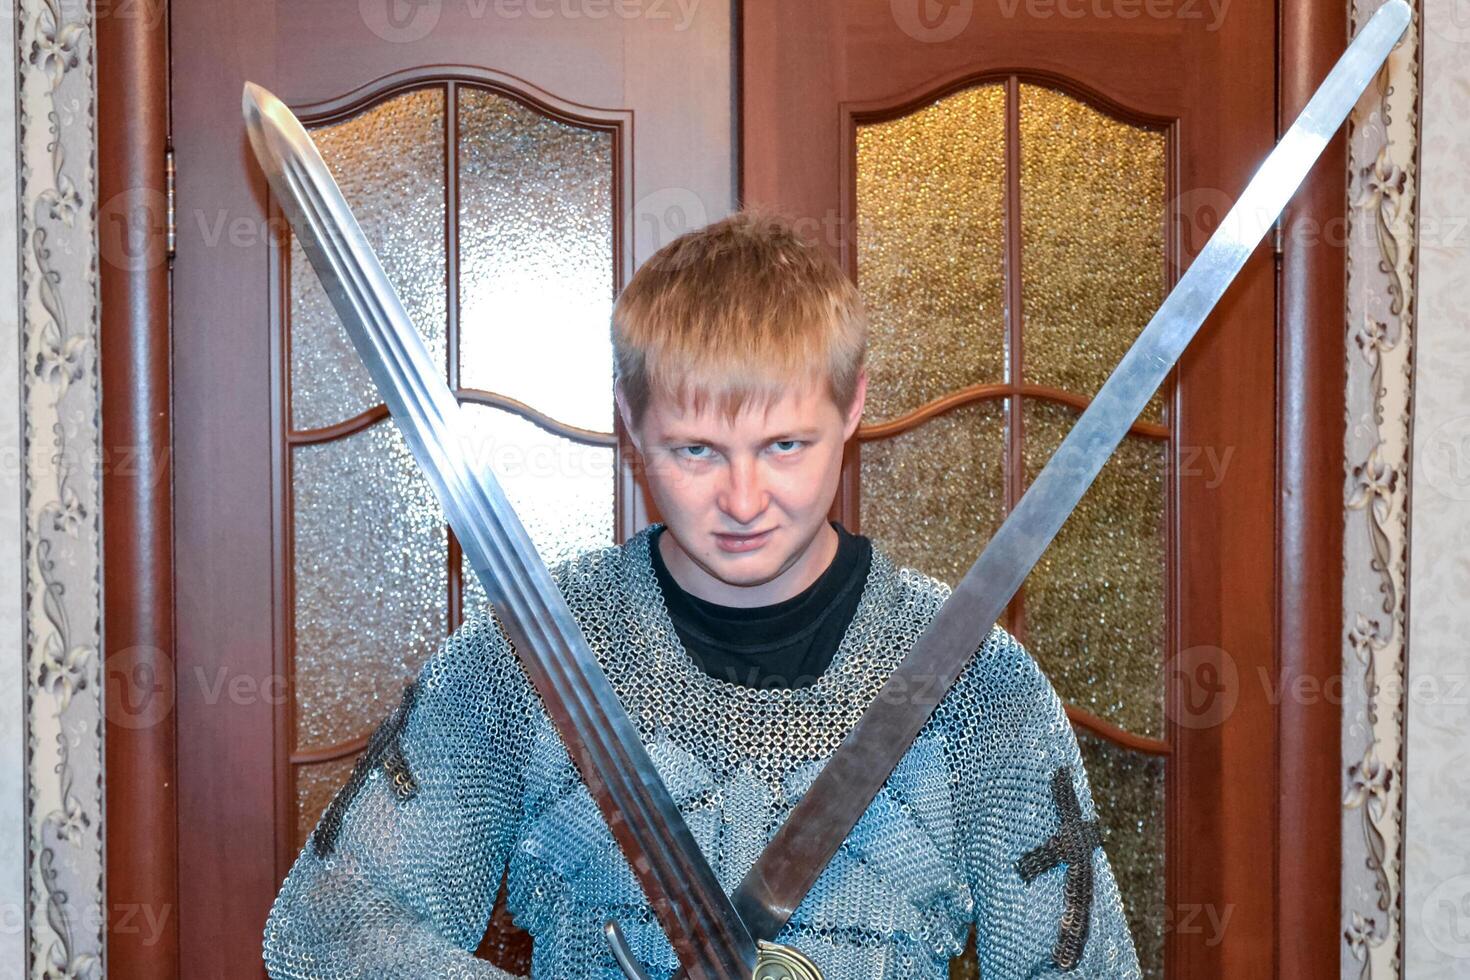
pixel 745 503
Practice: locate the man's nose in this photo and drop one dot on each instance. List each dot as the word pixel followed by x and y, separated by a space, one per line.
pixel 744 495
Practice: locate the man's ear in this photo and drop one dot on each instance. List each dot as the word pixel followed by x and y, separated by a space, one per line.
pixel 627 416
pixel 855 412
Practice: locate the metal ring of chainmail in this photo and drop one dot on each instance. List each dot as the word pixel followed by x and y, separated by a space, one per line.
pixel 396 884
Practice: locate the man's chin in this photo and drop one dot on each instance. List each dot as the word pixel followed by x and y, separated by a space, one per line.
pixel 745 570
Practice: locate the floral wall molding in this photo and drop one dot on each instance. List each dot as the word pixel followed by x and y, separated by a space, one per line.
pixel 1383 140
pixel 60 439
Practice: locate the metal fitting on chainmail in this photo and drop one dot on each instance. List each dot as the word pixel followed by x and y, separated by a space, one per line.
pixel 410 883
pixel 1072 845
pixel 382 750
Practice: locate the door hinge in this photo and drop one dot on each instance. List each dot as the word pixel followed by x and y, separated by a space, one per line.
pixel 171 227
pixel 1278 236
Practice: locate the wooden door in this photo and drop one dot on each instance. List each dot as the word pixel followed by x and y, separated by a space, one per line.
pixel 1014 186
pixel 827 92
pixel 511 164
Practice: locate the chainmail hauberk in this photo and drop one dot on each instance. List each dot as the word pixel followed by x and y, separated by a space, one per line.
pixel 988 819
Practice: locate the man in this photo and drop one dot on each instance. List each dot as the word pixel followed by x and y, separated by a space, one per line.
pixel 745 634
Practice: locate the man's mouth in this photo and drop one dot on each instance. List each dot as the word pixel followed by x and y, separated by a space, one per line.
pixel 742 542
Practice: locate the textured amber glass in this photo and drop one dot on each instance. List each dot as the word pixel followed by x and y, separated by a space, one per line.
pixel 389 162
pixel 931 191
pixel 1128 791
pixel 1092 239
pixel 370 561
pixel 1095 601
pixel 316 784
pixel 561 490
pixel 931 249
pixel 536 260
pixel 934 495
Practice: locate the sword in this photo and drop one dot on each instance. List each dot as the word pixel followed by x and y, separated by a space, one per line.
pixel 821 821
pixel 710 939
pixel 805 843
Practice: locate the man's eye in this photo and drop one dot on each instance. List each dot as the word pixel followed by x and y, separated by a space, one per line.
pixel 695 452
pixel 787 445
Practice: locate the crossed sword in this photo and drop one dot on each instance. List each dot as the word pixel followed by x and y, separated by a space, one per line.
pixel 719 937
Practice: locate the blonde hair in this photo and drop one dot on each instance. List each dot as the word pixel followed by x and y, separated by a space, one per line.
pixel 738 312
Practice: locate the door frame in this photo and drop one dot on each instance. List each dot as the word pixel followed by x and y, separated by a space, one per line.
pixel 1311 413
pixel 134 359
pixel 137 382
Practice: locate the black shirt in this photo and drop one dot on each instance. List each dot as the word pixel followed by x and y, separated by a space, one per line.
pixel 785 644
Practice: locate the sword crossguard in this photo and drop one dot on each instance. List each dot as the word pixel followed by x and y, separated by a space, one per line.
pixel 773 962
pixel 630 966
pixel 777 962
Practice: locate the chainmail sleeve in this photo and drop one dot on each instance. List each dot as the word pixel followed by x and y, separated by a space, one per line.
pixel 400 875
pixel 1047 904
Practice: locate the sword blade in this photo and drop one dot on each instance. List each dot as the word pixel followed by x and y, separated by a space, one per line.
pixel 857 769
pixel 702 925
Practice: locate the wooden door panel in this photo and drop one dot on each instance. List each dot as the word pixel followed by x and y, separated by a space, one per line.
pixel 674 160
pixel 814 72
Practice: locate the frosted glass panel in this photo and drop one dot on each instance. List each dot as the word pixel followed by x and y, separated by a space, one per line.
pixel 931 259
pixel 1095 602
pixel 1128 790
pixel 536 261
pixel 931 249
pixel 1092 239
pixel 371 560
pixel 316 785
pixel 932 496
pixel 389 162
pixel 562 490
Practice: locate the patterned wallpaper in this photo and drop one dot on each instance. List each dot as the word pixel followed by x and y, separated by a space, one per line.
pixel 1437 850
pixel 1404 905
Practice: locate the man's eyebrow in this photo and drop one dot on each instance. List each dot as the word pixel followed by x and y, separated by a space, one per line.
pixel 690 438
